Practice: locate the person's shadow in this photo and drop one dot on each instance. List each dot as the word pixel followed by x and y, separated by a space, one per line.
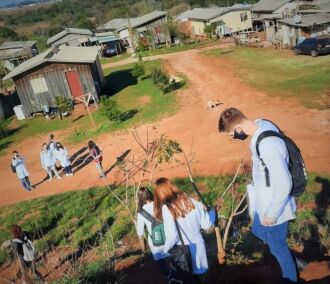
pixel 119 159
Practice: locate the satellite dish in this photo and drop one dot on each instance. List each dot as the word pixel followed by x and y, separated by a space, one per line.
pixel 297 19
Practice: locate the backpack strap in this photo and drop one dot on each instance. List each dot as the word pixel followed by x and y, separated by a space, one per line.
pixel 179 231
pixel 146 215
pixel 263 135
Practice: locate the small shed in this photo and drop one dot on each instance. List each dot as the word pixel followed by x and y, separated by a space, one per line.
pixel 70 37
pixel 66 71
pixel 13 53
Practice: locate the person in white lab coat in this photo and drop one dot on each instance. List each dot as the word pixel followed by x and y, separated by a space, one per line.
pixel 19 165
pixel 171 204
pixel 48 162
pixel 61 154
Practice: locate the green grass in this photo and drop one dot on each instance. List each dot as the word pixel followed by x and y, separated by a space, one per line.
pixel 94 219
pixel 120 57
pixel 176 48
pixel 281 73
pixel 140 96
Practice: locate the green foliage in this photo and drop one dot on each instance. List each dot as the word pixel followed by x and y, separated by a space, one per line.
pixel 138 70
pixel 303 77
pixel 142 44
pixel 63 104
pixel 109 108
pixel 210 29
pixel 6 34
pixel 160 78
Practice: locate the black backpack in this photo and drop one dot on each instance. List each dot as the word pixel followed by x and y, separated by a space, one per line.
pixel 157 229
pixel 296 163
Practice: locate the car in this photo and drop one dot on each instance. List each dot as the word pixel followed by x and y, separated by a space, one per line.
pixel 110 51
pixel 313 46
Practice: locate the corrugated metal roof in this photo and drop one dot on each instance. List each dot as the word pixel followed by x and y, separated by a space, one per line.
pixel 140 21
pixel 204 14
pixel 226 11
pixel 269 5
pixel 66 54
pixel 114 24
pixel 68 31
pixel 16 44
pixel 309 20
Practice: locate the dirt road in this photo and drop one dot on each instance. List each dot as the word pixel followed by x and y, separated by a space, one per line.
pixel 194 127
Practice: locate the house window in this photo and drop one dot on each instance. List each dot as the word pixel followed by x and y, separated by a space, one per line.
pixel 244 17
pixel 39 85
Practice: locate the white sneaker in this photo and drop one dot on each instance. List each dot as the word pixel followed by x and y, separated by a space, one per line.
pixel 58 177
pixel 50 179
pixel 67 175
pixel 71 175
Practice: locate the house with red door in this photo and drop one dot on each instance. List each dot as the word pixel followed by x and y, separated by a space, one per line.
pixel 66 71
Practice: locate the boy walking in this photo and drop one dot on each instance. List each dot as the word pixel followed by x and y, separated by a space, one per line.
pixel 271 204
pixel 18 165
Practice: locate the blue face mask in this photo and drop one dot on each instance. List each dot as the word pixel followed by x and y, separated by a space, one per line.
pixel 240 135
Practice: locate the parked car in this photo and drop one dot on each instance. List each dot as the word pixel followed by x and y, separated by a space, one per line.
pixel 110 51
pixel 313 46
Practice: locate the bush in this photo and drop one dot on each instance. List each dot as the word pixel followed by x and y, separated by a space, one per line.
pixel 109 108
pixel 160 78
pixel 63 104
pixel 138 70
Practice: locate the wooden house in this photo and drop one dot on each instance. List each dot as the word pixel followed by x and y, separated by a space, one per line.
pixel 70 37
pixel 66 71
pixel 13 53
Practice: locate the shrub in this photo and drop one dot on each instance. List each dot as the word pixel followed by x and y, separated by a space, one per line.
pixel 138 70
pixel 109 108
pixel 160 78
pixel 63 104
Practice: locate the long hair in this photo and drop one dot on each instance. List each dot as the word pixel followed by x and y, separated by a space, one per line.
pixel 59 146
pixel 178 202
pixel 91 144
pixel 143 196
pixel 16 231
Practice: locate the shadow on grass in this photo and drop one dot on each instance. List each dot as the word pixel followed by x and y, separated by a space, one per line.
pixel 117 81
pixel 5 145
pixel 126 115
pixel 174 86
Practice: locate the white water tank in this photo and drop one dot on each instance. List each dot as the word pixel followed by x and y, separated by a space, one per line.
pixel 19 112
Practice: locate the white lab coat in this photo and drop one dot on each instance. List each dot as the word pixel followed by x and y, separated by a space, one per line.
pixel 47 159
pixel 21 170
pixel 190 227
pixel 274 201
pixel 62 156
pixel 141 223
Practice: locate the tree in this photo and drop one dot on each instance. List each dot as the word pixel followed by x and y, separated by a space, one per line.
pixel 138 70
pixel 210 29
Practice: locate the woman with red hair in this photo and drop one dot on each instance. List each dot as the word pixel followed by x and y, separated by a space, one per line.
pixel 179 211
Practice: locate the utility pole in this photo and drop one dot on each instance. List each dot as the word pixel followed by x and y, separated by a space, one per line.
pixel 130 34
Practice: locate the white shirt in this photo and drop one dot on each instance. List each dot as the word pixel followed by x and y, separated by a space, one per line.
pixel 21 170
pixel 142 222
pixel 62 156
pixel 190 227
pixel 274 201
pixel 47 159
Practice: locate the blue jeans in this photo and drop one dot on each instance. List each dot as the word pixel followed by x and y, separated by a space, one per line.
pixel 26 183
pixel 275 237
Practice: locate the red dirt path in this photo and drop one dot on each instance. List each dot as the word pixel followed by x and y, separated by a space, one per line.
pixel 194 126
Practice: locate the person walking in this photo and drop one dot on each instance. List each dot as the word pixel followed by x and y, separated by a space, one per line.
pixel 146 219
pixel 271 204
pixel 61 154
pixel 48 162
pixel 183 218
pixel 18 165
pixel 96 154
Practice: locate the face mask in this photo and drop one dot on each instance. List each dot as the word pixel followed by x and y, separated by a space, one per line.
pixel 240 135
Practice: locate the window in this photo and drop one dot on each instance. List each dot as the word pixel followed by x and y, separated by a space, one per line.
pixel 39 85
pixel 244 17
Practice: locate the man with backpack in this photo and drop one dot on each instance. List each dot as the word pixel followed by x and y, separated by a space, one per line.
pixel 18 167
pixel 278 175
